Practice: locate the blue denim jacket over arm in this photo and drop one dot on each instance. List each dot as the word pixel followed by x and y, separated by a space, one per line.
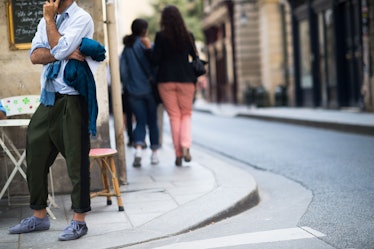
pixel 133 64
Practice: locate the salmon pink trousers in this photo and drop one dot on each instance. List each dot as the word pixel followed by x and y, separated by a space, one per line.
pixel 177 98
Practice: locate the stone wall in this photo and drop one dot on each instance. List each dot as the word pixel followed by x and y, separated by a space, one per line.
pixel 248 53
pixel 273 64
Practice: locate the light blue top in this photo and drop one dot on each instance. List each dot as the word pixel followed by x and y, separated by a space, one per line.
pixel 77 24
pixel 2 109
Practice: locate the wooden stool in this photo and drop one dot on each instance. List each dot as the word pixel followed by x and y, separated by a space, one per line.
pixel 104 158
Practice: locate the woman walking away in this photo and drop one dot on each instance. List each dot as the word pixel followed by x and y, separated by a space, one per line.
pixel 135 73
pixel 175 78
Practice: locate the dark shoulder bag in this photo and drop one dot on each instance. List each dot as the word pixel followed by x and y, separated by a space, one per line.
pixel 197 64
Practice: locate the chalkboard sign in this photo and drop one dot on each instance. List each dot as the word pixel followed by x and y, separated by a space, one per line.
pixel 23 18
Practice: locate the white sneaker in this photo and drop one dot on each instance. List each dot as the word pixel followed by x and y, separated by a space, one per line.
pixel 138 152
pixel 154 158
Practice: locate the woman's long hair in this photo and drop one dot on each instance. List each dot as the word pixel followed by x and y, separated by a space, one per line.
pixel 172 25
pixel 138 28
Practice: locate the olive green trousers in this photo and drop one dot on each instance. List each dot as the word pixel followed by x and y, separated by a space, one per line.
pixel 61 128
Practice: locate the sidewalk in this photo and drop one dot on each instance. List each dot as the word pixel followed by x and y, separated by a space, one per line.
pixel 165 200
pixel 159 201
pixel 342 120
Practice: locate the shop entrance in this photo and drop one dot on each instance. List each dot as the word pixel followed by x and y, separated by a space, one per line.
pixel 349 43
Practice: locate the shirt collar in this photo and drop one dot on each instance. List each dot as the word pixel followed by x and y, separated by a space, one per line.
pixel 71 9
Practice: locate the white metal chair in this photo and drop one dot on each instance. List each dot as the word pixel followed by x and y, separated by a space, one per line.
pixel 16 106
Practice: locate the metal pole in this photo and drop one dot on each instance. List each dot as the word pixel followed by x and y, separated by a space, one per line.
pixel 160 122
pixel 116 89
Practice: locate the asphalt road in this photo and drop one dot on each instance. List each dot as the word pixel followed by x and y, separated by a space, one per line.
pixel 336 168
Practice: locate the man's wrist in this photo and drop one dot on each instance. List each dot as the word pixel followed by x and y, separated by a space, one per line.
pixel 50 22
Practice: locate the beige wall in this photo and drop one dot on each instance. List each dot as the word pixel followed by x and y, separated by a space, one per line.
pixel 127 11
pixel 271 46
pixel 247 48
pixel 17 75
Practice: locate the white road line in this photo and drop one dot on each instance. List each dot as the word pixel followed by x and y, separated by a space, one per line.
pixel 249 238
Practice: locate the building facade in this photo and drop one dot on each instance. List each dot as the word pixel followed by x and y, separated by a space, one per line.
pixel 331 53
pixel 315 52
pixel 249 48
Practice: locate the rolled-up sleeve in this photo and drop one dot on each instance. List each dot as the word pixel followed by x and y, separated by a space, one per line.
pixel 37 41
pixel 72 37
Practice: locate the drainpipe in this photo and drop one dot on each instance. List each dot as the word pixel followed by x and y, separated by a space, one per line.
pixel 116 89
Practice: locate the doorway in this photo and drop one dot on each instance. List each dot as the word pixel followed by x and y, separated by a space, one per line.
pixel 349 43
pixel 327 62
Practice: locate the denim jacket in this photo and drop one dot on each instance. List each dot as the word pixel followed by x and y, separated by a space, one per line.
pixel 133 64
pixel 2 109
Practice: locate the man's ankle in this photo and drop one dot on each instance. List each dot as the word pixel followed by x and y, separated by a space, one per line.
pixel 79 217
pixel 40 214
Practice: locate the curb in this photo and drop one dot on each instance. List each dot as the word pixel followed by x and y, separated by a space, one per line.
pixel 349 127
pixel 236 192
pixel 344 127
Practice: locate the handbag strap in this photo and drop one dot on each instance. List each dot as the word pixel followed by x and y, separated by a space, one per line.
pixel 196 53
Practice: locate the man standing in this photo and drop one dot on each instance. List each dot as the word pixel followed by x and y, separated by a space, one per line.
pixel 60 124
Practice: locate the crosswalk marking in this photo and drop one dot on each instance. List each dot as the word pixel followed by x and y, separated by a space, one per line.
pixel 249 238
